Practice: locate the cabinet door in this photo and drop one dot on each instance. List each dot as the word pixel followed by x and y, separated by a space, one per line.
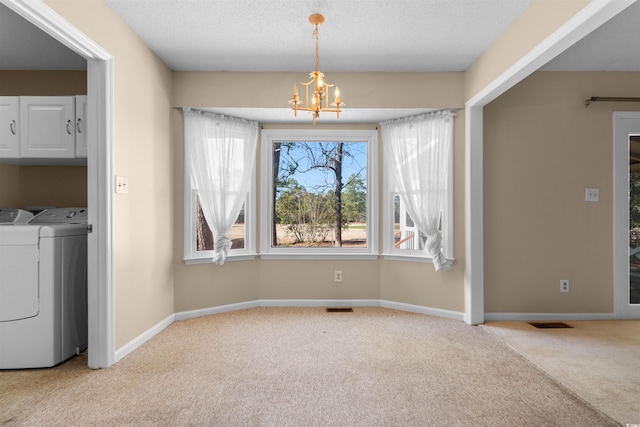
pixel 9 127
pixel 47 127
pixel 81 126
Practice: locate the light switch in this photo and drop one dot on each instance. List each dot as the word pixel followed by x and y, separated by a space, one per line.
pixel 122 185
pixel 592 195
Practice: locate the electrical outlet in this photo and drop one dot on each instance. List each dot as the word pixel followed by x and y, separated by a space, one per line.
pixel 337 276
pixel 564 285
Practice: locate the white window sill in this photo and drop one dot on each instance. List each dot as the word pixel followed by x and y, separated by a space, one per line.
pixel 316 256
pixel 321 256
pixel 410 258
pixel 230 258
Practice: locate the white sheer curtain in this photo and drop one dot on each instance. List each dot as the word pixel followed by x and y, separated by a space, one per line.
pixel 417 151
pixel 221 152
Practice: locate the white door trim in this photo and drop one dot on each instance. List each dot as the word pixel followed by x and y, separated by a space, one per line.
pixel 624 124
pixel 588 19
pixel 100 80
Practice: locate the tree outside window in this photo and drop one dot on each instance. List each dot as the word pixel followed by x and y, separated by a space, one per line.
pixel 319 193
pixel 205 237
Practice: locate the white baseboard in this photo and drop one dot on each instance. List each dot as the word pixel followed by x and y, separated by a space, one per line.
pixel 497 317
pixel 216 310
pixel 455 315
pixel 143 338
pixel 319 303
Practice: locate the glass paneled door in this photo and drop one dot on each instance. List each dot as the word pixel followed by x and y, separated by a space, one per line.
pixel 626 208
pixel 634 219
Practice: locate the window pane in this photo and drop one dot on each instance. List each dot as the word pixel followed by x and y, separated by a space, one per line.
pixel 319 194
pixel 205 237
pixel 405 233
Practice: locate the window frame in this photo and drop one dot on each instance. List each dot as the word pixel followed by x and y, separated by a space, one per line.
pixel 416 255
pixel 268 137
pixel 191 254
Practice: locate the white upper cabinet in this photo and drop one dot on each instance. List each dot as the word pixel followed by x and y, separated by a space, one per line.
pixel 43 130
pixel 81 126
pixel 9 127
pixel 47 127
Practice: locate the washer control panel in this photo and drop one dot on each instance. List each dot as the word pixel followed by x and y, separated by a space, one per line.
pixel 61 216
pixel 14 216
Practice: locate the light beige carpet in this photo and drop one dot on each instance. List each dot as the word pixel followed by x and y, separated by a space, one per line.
pixel 301 367
pixel 598 360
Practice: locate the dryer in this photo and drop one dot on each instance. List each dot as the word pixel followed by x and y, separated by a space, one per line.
pixel 43 289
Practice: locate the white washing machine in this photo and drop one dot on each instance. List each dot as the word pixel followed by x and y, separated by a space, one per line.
pixel 43 289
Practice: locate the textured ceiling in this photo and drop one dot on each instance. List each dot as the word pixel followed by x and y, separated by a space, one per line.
pixel 358 35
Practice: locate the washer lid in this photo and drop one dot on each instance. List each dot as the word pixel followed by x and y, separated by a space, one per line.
pixel 60 230
pixel 61 216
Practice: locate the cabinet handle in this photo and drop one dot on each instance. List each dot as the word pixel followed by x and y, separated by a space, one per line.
pixel 12 127
pixel 79 125
pixel 69 127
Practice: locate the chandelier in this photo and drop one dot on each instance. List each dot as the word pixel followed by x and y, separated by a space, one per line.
pixel 319 98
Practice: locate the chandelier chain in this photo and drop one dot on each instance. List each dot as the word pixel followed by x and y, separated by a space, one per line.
pixel 315 36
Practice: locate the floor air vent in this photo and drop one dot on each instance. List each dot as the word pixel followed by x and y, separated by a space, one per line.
pixel 340 310
pixel 550 325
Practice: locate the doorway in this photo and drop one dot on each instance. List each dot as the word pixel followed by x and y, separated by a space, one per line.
pixel 626 210
pixel 100 75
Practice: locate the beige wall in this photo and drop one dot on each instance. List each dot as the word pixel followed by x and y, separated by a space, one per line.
pixel 10 187
pixel 143 154
pixel 22 186
pixel 542 149
pixel 43 83
pixel 53 186
pixel 536 23
pixel 202 286
pixel 359 90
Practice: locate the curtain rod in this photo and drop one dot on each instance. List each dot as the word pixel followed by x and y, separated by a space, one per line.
pixel 609 99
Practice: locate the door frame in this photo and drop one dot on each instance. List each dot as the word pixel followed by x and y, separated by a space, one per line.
pixel 584 22
pixel 624 125
pixel 100 111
